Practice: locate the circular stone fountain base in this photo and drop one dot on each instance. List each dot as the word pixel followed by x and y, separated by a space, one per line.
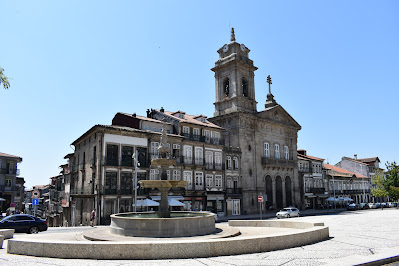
pixel 147 224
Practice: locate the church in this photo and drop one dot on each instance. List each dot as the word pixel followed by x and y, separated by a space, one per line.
pixel 267 139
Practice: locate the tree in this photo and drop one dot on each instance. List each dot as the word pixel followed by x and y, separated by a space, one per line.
pixel 378 180
pixel 4 79
pixel 392 180
pixel 386 183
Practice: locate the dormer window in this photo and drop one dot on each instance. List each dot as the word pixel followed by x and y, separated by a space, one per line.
pixel 179 114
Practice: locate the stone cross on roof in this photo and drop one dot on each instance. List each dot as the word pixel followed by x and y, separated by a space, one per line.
pixel 269 80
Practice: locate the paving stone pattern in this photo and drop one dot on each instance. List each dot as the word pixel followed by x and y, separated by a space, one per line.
pixel 352 233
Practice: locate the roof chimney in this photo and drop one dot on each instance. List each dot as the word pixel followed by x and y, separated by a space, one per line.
pixel 162 110
pixel 355 156
pixel 134 114
pixel 148 113
pixel 302 152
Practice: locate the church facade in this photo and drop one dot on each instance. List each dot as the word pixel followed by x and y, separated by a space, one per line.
pixel 267 139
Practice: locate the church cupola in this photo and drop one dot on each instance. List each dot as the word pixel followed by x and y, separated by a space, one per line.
pixel 234 76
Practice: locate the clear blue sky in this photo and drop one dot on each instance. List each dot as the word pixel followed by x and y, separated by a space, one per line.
pixel 74 64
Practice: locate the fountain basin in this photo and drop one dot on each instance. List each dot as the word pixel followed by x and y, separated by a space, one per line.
pixel 147 224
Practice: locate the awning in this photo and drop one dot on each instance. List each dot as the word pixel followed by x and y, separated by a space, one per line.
pixel 158 198
pixel 146 203
pixel 1 199
pixel 348 199
pixel 175 203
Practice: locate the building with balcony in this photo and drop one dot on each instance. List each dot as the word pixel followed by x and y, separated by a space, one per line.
pixel 365 166
pixel 197 147
pixel 101 172
pixel 11 186
pixel 310 171
pixel 267 139
pixel 346 184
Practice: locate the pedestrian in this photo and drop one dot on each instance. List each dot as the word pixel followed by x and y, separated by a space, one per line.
pixel 92 217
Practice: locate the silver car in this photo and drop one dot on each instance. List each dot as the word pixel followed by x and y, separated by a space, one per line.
pixel 288 212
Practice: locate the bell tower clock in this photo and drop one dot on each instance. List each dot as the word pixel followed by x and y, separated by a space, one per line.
pixel 234 77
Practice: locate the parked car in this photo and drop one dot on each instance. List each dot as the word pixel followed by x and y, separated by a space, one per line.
pixel 288 212
pixel 390 204
pixel 364 206
pixel 23 223
pixel 372 205
pixel 353 207
pixel 377 205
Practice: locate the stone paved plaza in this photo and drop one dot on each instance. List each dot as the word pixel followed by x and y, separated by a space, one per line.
pixel 361 233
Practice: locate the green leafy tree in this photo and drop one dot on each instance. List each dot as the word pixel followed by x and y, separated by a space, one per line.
pixel 379 187
pixel 386 183
pixel 392 180
pixel 4 79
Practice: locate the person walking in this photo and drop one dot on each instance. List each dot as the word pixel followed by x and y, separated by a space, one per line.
pixel 92 217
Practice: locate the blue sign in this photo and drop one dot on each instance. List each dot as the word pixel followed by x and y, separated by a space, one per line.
pixel 35 201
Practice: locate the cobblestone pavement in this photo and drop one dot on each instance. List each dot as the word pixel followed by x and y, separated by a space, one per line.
pixel 352 233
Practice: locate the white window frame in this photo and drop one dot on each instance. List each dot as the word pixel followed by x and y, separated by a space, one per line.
pixel 277 151
pixel 176 175
pixel 235 163
pixel 235 204
pixel 209 180
pixel 207 135
pixel 228 162
pixel 218 160
pixel 188 176
pixel 168 174
pixel 188 154
pixel 154 174
pixel 186 130
pixel 199 180
pixel 218 181
pixel 215 137
pixel 286 153
pixel 196 131
pixel 199 155
pixel 209 158
pixel 154 150
pixel 266 148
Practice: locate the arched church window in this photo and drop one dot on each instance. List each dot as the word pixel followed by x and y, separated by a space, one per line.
pixel 244 87
pixel 226 86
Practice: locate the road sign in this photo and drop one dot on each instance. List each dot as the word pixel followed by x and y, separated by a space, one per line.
pixel 12 205
pixel 35 201
pixel 260 198
pixel 35 194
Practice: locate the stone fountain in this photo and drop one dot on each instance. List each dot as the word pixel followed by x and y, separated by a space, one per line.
pixel 163 223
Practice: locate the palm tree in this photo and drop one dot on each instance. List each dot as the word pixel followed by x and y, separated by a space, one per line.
pixel 4 79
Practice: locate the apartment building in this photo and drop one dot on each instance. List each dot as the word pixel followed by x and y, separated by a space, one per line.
pixel 11 186
pixel 310 169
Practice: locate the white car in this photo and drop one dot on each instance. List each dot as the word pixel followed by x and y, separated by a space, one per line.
pixel 288 212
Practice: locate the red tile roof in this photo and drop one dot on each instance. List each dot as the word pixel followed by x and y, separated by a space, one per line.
pixel 308 157
pixel 336 171
pixel 145 118
pixel 352 159
pixel 369 160
pixel 9 155
pixel 191 119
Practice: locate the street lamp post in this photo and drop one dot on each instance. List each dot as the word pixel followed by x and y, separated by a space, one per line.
pixel 134 157
pixel 335 206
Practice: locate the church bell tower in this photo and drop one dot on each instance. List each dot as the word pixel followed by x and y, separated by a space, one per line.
pixel 234 77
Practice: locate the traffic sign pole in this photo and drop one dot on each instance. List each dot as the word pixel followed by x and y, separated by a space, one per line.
pixel 260 199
